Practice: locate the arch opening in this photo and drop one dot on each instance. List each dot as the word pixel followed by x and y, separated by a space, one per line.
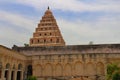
pixel 6 75
pixel 29 70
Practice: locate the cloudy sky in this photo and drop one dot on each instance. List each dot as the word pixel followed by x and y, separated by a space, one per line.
pixel 80 21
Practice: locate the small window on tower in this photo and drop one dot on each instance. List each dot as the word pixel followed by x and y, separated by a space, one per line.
pixel 49 24
pixel 45 28
pixel 45 34
pixel 49 28
pixel 54 28
pixel 44 40
pixel 50 40
pixel 38 40
pixel 57 41
pixel 50 34
pixel 31 41
pixel 40 34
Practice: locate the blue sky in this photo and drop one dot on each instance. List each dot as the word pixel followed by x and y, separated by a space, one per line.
pixel 80 21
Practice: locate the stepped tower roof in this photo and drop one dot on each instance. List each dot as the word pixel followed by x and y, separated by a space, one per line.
pixel 47 33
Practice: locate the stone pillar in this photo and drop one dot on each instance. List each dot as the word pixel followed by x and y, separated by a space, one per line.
pixel 25 74
pixel 21 75
pixel 15 75
pixel 63 70
pixel 3 74
pixel 73 71
pixel 53 71
pixel 84 69
pixel 9 74
pixel 41 71
pixel 105 69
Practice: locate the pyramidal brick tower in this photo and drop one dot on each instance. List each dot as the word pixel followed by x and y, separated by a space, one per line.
pixel 47 33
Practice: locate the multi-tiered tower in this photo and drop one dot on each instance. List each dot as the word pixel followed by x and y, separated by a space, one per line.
pixel 47 33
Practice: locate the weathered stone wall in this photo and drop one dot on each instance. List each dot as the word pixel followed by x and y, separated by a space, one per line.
pixel 73 65
pixel 11 62
pixel 71 62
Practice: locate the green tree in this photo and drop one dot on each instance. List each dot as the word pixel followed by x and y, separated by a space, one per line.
pixel 31 78
pixel 116 75
pixel 113 72
pixel 26 45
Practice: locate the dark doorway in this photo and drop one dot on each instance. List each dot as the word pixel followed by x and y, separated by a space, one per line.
pixel 6 74
pixel 29 70
pixel 19 75
pixel 0 73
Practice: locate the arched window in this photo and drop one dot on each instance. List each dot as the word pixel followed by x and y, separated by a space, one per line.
pixel 29 70
pixel 19 66
pixel 7 66
pixel 6 75
pixel 19 72
pixel 14 66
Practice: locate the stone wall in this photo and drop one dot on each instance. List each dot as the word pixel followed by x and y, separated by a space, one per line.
pixel 12 64
pixel 83 62
pixel 73 65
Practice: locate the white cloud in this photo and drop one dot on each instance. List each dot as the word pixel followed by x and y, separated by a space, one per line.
pixel 9 30
pixel 103 30
pixel 9 36
pixel 74 5
pixel 17 20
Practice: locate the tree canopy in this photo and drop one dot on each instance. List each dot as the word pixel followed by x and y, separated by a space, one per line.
pixel 31 78
pixel 113 72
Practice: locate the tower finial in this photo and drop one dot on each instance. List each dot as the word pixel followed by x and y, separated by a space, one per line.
pixel 48 8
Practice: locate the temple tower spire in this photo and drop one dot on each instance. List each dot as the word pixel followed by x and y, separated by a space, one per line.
pixel 48 7
pixel 47 33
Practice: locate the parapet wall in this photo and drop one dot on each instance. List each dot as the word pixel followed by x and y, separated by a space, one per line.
pixel 70 49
